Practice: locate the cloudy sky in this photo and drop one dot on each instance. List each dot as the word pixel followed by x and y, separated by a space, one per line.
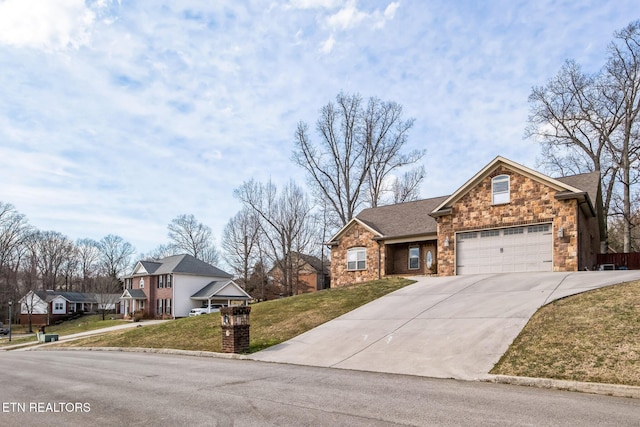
pixel 117 116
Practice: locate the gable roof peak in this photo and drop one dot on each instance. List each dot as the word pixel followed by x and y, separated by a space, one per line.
pixel 516 167
pixel 182 263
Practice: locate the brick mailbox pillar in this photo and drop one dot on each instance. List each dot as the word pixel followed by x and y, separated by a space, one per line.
pixel 235 329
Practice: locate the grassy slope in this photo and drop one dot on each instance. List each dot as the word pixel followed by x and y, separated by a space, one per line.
pixel 594 337
pixel 82 324
pixel 272 322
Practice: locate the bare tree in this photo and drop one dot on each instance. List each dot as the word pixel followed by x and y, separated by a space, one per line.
pixel 240 243
pixel 53 251
pixel 161 251
pixel 568 121
pixel 189 235
pixel 385 135
pixel 88 253
pixel 284 218
pixel 407 187
pixel 622 92
pixel 358 147
pixel 107 293
pixel 29 276
pixel 14 231
pixel 115 255
pixel 590 123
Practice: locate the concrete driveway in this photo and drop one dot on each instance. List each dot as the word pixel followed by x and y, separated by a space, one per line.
pixel 444 327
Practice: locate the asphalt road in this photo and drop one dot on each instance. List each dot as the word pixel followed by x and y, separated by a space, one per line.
pixel 68 388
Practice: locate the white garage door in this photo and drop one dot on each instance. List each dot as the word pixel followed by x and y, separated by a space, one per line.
pixel 505 250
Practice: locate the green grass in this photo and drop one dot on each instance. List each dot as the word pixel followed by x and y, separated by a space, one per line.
pixel 592 337
pixel 272 322
pixel 82 324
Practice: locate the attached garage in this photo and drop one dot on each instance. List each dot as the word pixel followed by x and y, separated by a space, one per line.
pixel 505 250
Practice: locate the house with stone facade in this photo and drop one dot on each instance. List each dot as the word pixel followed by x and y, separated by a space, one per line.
pixel 506 218
pixel 172 286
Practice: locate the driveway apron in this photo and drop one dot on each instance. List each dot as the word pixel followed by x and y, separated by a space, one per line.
pixel 443 327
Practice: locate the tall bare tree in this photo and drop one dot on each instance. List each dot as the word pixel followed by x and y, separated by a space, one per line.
pixel 284 221
pixel 14 230
pixel 359 145
pixel 385 136
pixel 53 251
pixel 187 234
pixel 622 91
pixel 590 122
pixel 115 256
pixel 407 187
pixel 240 243
pixel 88 253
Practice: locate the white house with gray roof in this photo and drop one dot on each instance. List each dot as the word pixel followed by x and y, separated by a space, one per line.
pixel 172 286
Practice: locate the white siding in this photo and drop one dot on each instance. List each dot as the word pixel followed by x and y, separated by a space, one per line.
pixel 58 301
pixel 39 306
pixel 183 287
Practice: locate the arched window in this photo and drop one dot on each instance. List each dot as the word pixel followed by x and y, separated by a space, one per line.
pixel 141 282
pixel 357 259
pixel 500 189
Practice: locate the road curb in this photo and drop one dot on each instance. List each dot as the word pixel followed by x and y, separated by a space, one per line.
pixel 194 353
pixel 616 390
pixel 583 387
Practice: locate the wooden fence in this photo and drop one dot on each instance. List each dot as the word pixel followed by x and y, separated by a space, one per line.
pixel 629 260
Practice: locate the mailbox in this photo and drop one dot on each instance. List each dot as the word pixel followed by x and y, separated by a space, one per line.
pixel 235 329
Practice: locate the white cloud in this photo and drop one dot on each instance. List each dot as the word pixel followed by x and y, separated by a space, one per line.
pixel 390 11
pixel 315 4
pixel 327 45
pixel 45 24
pixel 347 17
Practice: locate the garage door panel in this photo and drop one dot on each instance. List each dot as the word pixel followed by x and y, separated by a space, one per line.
pixel 514 249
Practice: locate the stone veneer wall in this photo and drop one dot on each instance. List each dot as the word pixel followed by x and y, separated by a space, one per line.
pixel 531 202
pixel 354 237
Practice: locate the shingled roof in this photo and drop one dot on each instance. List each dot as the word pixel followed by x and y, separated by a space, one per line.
pixel 587 182
pixel 403 219
pixel 183 264
pixel 414 218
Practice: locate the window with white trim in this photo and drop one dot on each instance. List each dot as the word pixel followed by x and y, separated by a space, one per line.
pixel 141 283
pixel 414 258
pixel 167 306
pixel 500 189
pixel 357 259
pixel 58 307
pixel 168 280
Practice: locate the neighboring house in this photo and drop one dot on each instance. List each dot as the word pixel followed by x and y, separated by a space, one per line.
pixel 506 218
pixel 310 273
pixel 47 307
pixel 172 286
